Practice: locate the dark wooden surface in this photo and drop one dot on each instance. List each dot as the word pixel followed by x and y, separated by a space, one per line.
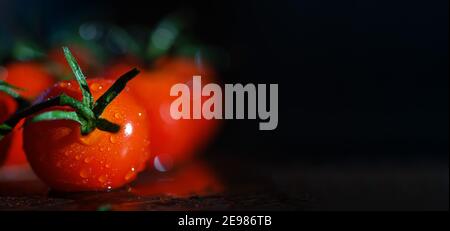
pixel 259 186
pixel 193 187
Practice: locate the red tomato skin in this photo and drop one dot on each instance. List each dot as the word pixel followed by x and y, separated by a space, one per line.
pixel 7 108
pixel 67 161
pixel 31 76
pixel 16 155
pixel 177 140
pixel 4 148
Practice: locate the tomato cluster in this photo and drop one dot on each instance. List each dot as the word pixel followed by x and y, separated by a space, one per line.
pixel 98 134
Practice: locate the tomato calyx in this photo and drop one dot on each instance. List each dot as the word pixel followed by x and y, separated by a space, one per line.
pixel 85 112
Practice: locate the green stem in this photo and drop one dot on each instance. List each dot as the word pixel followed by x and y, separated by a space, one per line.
pixel 113 91
pixel 88 100
pixel 15 119
pixel 11 91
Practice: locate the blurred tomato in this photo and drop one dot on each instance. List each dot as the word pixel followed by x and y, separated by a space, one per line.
pixel 32 77
pixel 173 141
pixel 85 59
pixel 7 107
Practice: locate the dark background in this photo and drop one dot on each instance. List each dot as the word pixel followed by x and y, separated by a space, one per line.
pixel 361 83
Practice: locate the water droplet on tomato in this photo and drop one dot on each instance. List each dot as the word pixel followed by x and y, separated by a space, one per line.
pixel 113 139
pixel 88 159
pixel 117 115
pixel 77 157
pixel 129 175
pixel 103 178
pixel 96 87
pixel 107 166
pixel 84 173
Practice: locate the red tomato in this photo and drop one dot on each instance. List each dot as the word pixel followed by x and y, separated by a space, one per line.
pixel 33 78
pixel 7 107
pixel 30 76
pixel 68 161
pixel 176 141
pixel 16 154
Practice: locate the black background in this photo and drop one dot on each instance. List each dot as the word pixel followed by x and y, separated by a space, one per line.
pixel 360 82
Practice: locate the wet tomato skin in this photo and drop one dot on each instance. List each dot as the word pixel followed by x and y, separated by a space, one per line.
pixel 68 161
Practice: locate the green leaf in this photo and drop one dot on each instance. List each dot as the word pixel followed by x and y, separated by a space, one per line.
pixel 10 90
pixel 16 117
pixel 163 38
pixel 88 100
pixel 113 91
pixel 57 115
pixel 64 115
pixel 80 108
pixel 26 50
pixel 4 130
pixel 3 83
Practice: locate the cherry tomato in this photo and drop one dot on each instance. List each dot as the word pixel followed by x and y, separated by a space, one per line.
pixel 30 76
pixel 33 78
pixel 16 155
pixel 7 107
pixel 69 161
pixel 174 141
